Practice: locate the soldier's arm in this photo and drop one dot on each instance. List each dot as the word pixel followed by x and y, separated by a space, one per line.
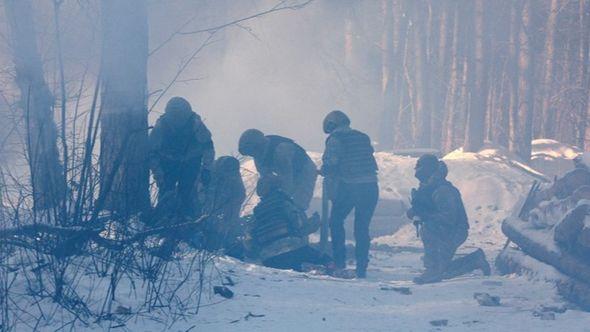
pixel 205 139
pixel 155 144
pixel 446 205
pixel 284 160
pixel 330 158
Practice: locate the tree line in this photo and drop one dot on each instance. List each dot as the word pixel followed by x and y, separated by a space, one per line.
pixel 458 73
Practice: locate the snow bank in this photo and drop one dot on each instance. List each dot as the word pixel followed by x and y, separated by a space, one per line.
pixel 552 157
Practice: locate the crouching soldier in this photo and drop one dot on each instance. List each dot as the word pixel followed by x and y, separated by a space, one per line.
pixel 181 152
pixel 350 170
pixel 437 208
pixel 223 202
pixel 280 229
pixel 281 156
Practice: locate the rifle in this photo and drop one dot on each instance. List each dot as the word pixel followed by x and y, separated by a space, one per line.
pixel 415 220
pixel 526 206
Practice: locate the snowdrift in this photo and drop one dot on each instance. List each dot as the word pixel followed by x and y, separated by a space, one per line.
pixel 552 157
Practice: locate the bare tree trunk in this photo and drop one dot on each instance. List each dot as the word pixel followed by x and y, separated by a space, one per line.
pixel 548 115
pixel 584 81
pixel 586 37
pixel 442 69
pixel 403 133
pixel 421 123
pixel 474 136
pixel 525 84
pixel 123 159
pixel 389 33
pixel 513 50
pixel 455 74
pixel 37 102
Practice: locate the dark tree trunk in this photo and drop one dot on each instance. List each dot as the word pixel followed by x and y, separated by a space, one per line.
pixel 474 136
pixel 124 127
pixel 402 137
pixel 422 117
pixel 513 49
pixel 584 25
pixel 548 114
pixel 525 84
pixel 37 103
pixel 441 63
pixel 389 33
pixel 451 95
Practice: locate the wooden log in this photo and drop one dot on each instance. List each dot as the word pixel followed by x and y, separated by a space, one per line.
pixel 515 261
pixel 528 240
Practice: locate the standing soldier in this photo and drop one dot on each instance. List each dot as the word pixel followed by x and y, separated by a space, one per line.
pixel 181 151
pixel 350 170
pixel 284 158
pixel 437 209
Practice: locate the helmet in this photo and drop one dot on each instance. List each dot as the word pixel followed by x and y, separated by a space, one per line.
pixel 443 169
pixel 178 104
pixel 335 119
pixel 227 165
pixel 251 142
pixel 426 166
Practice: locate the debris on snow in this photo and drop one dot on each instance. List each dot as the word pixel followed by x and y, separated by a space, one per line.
pixel 401 290
pixel 487 300
pixel 223 292
pixel 439 322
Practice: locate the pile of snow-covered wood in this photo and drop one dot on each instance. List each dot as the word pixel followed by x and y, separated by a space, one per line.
pixel 555 232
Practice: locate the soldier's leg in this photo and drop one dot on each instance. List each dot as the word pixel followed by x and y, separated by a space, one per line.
pixel 342 205
pixel 437 255
pixel 474 261
pixel 186 188
pixel 166 179
pixel 366 197
pixel 433 242
pixel 305 187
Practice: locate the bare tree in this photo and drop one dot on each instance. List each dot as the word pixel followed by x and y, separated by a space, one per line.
pixel 548 117
pixel 474 135
pixel 124 126
pixel 525 84
pixel 37 104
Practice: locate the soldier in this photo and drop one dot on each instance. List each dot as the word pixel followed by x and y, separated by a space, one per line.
pixel 223 203
pixel 283 157
pixel 438 209
pixel 350 170
pixel 280 229
pixel 181 151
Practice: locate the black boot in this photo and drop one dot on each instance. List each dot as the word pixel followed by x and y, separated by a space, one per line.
pixel 474 261
pixel 428 277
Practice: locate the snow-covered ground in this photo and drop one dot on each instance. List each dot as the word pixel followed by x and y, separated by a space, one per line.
pixel 272 300
pixel 493 184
